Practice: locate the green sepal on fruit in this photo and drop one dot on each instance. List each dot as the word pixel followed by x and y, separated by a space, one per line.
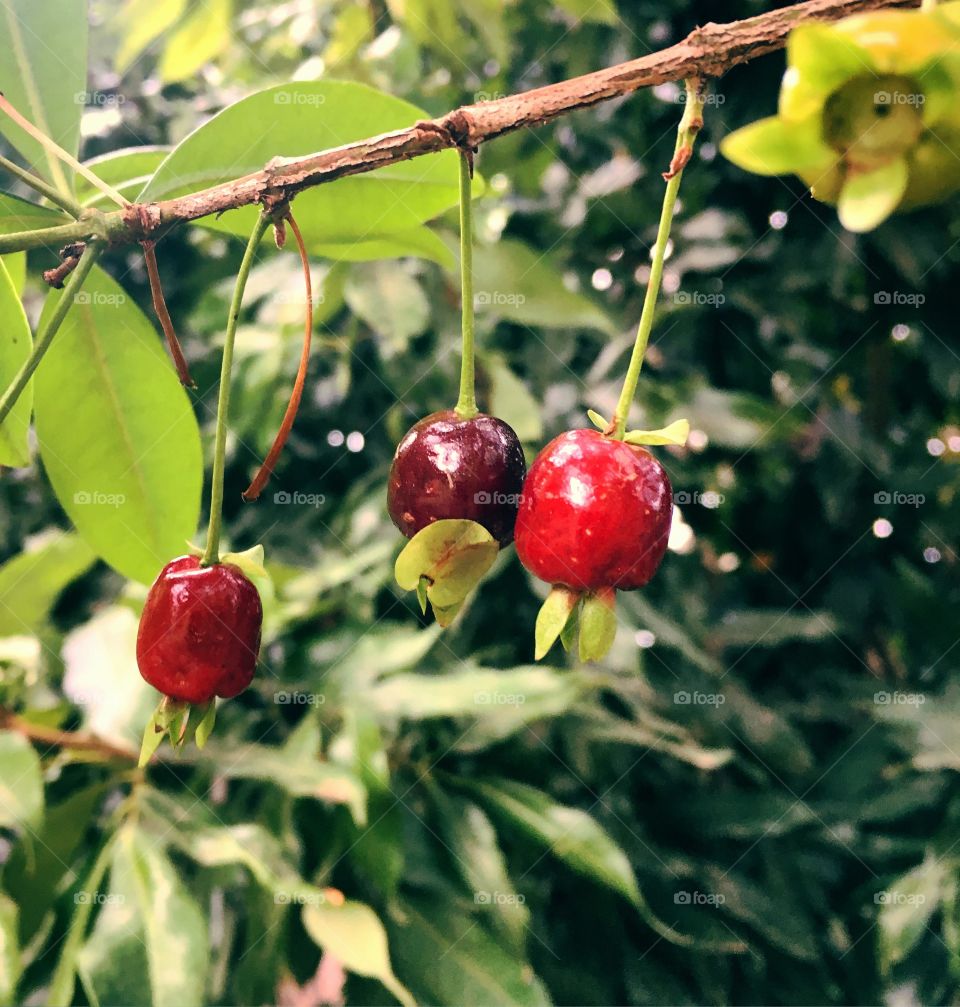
pixel 868 114
pixel 675 433
pixel 180 722
pixel 588 617
pixel 444 562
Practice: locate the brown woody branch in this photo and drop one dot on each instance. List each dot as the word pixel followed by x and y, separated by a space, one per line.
pixel 707 52
pixel 55 738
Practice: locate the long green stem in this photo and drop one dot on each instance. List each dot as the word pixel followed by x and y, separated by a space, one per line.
pixel 211 553
pixel 47 237
pixel 44 188
pixel 49 329
pixel 466 406
pixel 690 124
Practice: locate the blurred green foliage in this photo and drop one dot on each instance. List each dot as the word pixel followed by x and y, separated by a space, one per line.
pixel 750 801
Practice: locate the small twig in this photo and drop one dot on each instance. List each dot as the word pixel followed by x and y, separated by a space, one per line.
pixel 69 256
pixel 163 316
pixel 266 469
pixel 78 740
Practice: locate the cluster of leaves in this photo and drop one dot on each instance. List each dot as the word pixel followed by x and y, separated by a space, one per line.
pixel 751 800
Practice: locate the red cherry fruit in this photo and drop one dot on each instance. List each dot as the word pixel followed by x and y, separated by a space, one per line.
pixel 199 633
pixel 595 513
pixel 450 467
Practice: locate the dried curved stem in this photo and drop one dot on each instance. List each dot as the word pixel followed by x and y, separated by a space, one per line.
pixel 163 316
pixel 266 469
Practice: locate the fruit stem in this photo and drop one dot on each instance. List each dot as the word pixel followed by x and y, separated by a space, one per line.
pixel 211 553
pixel 163 316
pixel 690 124
pixel 266 469
pixel 56 197
pixel 466 407
pixel 48 329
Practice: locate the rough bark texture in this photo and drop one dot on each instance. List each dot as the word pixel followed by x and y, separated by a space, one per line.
pixel 707 52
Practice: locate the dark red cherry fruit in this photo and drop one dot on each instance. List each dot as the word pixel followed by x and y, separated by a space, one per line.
pixel 595 513
pixel 449 467
pixel 199 633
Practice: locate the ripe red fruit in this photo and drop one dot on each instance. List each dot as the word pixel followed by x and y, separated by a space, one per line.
pixel 595 513
pixel 199 634
pixel 449 467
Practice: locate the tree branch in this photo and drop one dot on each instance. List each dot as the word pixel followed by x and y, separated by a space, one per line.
pixel 707 52
pixel 55 738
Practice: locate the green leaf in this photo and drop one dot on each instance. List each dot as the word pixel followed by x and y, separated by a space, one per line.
pixel 353 934
pixel 774 146
pixel 469 836
pixel 305 117
pixel 41 858
pixel 511 697
pixel 553 616
pixel 390 300
pixel 300 777
pixel 820 60
pixel 452 554
pixel 568 833
pixel 869 197
pixel 513 281
pixel 201 37
pixel 770 628
pixel 139 23
pixel 150 939
pixel 14 349
pixel 45 77
pixel 16 265
pixel 906 907
pixel 455 959
pixel 418 242
pixel 18 214
pixel 510 399
pixel 249 845
pixel 598 626
pixel 205 727
pixel 117 435
pixel 21 783
pixel 675 433
pixel 127 170
pixel 10 964
pixel 31 582
pixel 597 420
pixel 597 11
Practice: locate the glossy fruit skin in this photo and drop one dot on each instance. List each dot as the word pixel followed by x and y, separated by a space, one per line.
pixel 199 634
pixel 595 513
pixel 449 467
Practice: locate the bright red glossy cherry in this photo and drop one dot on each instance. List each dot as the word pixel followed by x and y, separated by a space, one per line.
pixel 595 513
pixel 450 467
pixel 199 634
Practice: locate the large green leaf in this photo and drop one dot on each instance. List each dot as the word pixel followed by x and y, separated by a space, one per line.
pixel 18 214
pixel 570 834
pixel 45 76
pixel 10 963
pixel 139 23
pixel 202 36
pixel 32 580
pixel 906 907
pixel 454 959
pixel 21 785
pixel 470 838
pixel 149 943
pixel 117 435
pixel 353 934
pixel 305 117
pixel 15 344
pixel 127 170
pixel 513 281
